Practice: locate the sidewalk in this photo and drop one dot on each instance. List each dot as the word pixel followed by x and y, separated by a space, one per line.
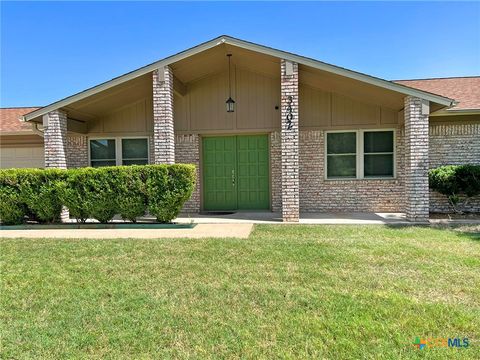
pixel 241 231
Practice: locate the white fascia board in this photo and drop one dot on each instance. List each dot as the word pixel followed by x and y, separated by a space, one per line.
pixel 450 112
pixel 249 46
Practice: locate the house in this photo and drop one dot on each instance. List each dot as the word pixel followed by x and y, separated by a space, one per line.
pixel 20 146
pixel 269 130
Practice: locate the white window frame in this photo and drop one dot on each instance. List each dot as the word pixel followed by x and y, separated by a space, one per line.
pixel 360 156
pixel 118 147
pixel 357 169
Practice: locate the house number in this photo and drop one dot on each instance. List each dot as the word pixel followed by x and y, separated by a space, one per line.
pixel 289 113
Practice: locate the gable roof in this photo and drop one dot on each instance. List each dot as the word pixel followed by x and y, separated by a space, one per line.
pixel 10 122
pixel 224 39
pixel 465 90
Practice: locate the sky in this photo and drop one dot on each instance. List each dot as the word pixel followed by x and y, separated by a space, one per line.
pixel 50 50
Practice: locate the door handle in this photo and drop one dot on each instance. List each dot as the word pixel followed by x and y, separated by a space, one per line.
pixel 233 177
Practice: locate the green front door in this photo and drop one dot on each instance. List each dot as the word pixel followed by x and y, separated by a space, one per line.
pixel 235 173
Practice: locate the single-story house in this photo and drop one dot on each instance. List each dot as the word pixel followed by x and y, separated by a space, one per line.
pixel 267 130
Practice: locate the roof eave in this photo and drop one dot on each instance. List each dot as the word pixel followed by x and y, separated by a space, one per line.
pixel 342 72
pixel 123 78
pixel 450 112
pixel 249 46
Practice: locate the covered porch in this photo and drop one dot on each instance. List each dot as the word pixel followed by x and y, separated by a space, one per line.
pixel 292 102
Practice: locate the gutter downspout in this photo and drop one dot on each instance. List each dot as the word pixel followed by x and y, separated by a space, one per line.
pixel 35 128
pixel 37 131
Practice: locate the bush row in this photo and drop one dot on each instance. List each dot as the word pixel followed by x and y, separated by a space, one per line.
pixel 455 181
pixel 98 193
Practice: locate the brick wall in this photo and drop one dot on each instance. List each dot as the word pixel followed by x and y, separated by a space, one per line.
pixel 187 151
pixel 453 144
pixel 77 151
pixel 320 195
pixel 276 171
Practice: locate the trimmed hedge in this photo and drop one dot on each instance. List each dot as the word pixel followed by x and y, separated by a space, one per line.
pixel 455 181
pixel 30 192
pixel 97 193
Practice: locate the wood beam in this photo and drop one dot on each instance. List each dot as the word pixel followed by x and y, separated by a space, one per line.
pixel 76 126
pixel 179 87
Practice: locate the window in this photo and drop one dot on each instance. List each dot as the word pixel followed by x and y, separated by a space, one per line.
pixel 360 154
pixel 134 151
pixel 378 153
pixel 102 152
pixel 118 151
pixel 342 155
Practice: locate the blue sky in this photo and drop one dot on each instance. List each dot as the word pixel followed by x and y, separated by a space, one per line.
pixel 54 49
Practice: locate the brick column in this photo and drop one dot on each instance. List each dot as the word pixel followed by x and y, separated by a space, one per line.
pixel 55 139
pixel 55 145
pixel 289 141
pixel 416 159
pixel 163 131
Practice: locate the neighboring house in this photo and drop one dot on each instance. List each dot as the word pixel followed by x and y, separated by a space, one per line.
pixel 301 135
pixel 20 146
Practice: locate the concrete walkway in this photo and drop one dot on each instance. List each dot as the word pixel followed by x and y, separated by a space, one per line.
pixel 241 231
pixel 305 218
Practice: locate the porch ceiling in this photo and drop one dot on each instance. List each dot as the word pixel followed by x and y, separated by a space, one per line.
pixel 97 105
pixel 354 89
pixel 215 60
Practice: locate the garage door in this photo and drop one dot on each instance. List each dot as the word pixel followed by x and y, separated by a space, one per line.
pixel 21 157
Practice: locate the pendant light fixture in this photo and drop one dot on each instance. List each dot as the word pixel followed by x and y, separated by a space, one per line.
pixel 230 102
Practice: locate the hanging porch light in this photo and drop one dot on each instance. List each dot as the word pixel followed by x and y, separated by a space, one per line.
pixel 230 102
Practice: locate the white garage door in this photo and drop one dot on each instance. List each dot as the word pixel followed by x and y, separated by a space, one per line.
pixel 21 157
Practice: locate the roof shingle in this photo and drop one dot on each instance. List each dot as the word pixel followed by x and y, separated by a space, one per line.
pixel 464 90
pixel 9 121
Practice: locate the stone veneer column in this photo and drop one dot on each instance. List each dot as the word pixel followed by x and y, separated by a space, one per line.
pixel 163 131
pixel 289 141
pixel 416 159
pixel 55 139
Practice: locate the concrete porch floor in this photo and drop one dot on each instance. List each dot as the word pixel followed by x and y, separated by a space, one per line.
pixel 268 217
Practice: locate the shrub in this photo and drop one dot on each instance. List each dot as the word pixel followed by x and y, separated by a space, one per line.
pixel 91 192
pixel 12 208
pixel 167 189
pixel 131 192
pixel 39 190
pixel 97 193
pixel 456 181
pixel 30 192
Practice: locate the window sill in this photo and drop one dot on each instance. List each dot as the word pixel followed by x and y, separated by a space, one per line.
pixel 362 179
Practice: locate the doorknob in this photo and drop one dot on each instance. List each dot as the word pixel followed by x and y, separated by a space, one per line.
pixel 233 177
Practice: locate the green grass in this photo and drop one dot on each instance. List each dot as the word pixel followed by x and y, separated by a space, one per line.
pixel 336 292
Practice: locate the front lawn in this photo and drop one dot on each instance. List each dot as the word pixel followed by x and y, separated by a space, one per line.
pixel 333 292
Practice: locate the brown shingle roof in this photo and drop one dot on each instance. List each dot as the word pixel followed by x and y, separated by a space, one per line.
pixel 465 90
pixel 9 121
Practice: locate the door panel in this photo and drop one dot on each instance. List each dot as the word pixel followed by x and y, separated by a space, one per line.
pixel 252 173
pixel 219 162
pixel 236 173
